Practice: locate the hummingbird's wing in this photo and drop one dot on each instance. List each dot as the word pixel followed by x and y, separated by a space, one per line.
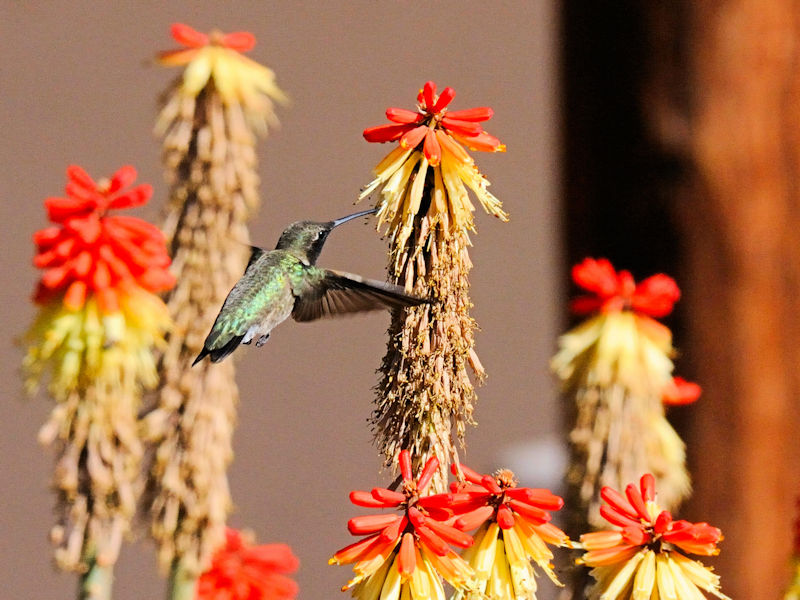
pixel 340 293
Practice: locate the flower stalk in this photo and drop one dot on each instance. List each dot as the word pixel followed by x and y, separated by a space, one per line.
pixel 425 389
pixel 210 118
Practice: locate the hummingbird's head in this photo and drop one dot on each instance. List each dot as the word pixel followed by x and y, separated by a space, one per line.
pixel 306 238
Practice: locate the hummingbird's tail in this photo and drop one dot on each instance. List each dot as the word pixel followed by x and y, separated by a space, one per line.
pixel 217 354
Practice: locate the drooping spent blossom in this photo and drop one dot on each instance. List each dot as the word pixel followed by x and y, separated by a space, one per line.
pixel 647 556
pixel 513 530
pixel 210 119
pixel 679 392
pixel 93 340
pixel 617 367
pixel 405 554
pixel 217 59
pixel 242 571
pixel 423 187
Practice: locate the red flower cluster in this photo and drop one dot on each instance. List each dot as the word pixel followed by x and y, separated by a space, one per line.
pixel 89 252
pixel 484 497
pixel 421 524
pixel 433 126
pixel 243 572
pixel 239 41
pixel 614 291
pixel 640 527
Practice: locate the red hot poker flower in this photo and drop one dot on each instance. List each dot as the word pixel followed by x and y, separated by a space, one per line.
pixel 240 571
pixel 89 252
pixel 435 128
pixel 408 541
pixel 613 291
pixel 679 392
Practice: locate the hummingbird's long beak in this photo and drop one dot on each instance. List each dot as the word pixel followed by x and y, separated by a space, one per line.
pixel 338 222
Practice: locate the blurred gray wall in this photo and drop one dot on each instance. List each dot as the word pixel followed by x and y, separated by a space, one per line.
pixel 77 86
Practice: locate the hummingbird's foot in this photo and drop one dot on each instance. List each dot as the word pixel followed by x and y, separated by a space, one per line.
pixel 262 340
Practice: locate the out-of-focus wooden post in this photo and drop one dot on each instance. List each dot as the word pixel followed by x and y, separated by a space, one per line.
pixel 741 222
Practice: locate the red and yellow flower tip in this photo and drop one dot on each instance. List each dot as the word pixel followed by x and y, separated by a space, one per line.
pixel 646 557
pixel 89 252
pixel 679 392
pixel 217 57
pixel 434 129
pixel 432 136
pixel 513 526
pixel 241 571
pixel 404 555
pixel 100 316
pixel 612 291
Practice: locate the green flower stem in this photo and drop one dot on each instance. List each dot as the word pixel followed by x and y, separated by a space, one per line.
pixel 96 583
pixel 182 585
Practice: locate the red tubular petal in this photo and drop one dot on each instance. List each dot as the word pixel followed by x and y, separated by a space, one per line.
pixel 386 133
pixel 467 128
pixel 135 197
pixel 450 534
pixel 656 295
pixel 183 34
pixel 53 278
pixel 635 535
pixel 483 142
pixel 679 392
pixel 636 500
pixel 615 518
pixel 453 501
pixel 367 524
pixel 240 41
pixel 663 522
pixel 47 236
pixel 388 497
pixel 156 280
pixel 445 98
pixel 481 113
pixel 474 519
pixel 597 276
pixel 432 541
pixel 124 177
pixel 428 92
pixel 402 115
pixel 490 484
pixel 416 517
pixel 538 497
pixel 107 300
pixel 358 550
pixel 61 209
pixel 505 518
pixel 618 502
pixel 584 305
pixel 75 296
pixel 82 264
pixel 176 58
pixel 530 513
pixel 404 460
pixel 412 137
pixel 88 228
pixel 78 192
pixel 392 532
pixel 81 178
pixel 647 486
pixel 102 276
pixel 427 473
pixel 365 499
pixel 451 146
pixel 406 558
pixel 469 474
pixel 431 149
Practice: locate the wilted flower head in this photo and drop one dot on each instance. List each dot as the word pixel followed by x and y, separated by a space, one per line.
pixel 432 136
pixel 404 555
pixel 513 529
pixel 647 556
pixel 241 571
pixel 217 57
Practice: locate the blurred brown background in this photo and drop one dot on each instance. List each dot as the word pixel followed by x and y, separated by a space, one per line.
pixel 78 87
pixel 664 135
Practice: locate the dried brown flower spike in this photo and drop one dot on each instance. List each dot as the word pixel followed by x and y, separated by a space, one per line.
pixel 425 389
pixel 209 121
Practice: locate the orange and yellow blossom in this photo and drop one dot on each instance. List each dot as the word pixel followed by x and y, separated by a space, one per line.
pixel 404 555
pixel 646 558
pixel 513 530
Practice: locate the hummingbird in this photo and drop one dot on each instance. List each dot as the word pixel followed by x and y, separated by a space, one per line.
pixel 285 281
